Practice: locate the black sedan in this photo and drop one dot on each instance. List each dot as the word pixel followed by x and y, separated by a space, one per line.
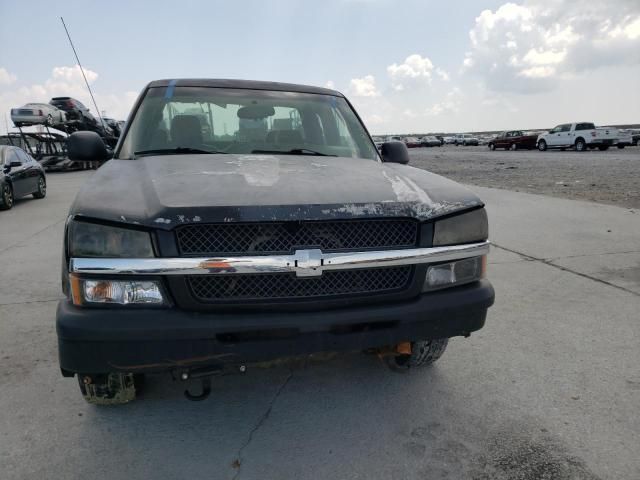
pixel 430 141
pixel 20 175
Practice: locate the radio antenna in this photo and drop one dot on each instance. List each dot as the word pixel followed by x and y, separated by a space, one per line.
pixel 82 71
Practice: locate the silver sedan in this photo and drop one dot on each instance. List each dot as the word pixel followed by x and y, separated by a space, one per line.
pixel 37 114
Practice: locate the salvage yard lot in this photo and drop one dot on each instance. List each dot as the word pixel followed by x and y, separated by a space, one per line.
pixel 550 388
pixel 608 177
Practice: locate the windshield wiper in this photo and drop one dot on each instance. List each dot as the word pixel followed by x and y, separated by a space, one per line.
pixel 174 151
pixel 295 151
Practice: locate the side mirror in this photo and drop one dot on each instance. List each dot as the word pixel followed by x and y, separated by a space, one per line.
pixel 8 166
pixel 87 147
pixel 395 152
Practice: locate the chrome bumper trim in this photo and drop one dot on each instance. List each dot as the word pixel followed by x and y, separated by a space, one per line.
pixel 304 263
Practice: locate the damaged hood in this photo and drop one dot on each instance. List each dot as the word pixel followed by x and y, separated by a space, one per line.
pixel 164 191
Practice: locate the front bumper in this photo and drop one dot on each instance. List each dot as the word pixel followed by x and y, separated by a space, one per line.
pixel 100 340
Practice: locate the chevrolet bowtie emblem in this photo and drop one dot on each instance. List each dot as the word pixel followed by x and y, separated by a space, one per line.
pixel 308 263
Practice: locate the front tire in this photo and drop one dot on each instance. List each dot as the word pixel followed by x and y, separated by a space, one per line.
pixel 108 389
pixel 492 147
pixel 423 353
pixel 542 145
pixel 513 147
pixel 621 146
pixel 7 197
pixel 42 189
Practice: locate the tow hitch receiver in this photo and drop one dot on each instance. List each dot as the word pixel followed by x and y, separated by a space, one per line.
pixel 204 393
pixel 205 374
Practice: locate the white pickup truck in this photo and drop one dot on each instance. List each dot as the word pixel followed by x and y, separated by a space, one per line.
pixel 579 136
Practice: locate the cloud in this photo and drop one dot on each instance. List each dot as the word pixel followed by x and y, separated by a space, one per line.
pixel 530 47
pixel 415 68
pixel 363 87
pixel 6 78
pixel 450 104
pixel 330 84
pixel 442 74
pixel 66 81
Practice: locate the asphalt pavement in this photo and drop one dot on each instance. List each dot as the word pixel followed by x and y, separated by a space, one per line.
pixel 549 389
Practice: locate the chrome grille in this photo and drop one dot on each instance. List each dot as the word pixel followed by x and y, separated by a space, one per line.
pixel 284 237
pixel 283 286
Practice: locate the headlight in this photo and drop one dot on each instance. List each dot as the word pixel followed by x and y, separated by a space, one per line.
pixel 121 292
pixel 455 273
pixel 94 240
pixel 464 228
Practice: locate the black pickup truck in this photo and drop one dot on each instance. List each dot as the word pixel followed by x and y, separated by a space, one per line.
pixel 239 222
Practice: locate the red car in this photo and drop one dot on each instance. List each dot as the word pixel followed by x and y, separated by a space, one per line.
pixel 412 142
pixel 513 140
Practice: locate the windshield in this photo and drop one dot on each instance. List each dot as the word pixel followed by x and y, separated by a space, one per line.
pixel 221 120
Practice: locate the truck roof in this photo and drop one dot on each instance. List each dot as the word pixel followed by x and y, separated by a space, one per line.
pixel 244 84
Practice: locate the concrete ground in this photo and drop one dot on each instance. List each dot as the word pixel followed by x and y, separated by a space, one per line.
pixel 549 389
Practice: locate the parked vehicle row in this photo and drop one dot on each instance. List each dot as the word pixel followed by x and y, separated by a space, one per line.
pixel 581 136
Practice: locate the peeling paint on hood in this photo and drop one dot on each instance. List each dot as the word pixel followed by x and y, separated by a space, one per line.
pixel 406 190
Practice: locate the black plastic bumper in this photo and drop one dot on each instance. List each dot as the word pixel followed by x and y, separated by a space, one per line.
pixel 100 340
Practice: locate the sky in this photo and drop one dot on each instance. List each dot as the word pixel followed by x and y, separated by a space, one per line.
pixel 410 66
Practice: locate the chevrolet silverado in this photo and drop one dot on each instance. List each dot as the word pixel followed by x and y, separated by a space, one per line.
pixel 239 222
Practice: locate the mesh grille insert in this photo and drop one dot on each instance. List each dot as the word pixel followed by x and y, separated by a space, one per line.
pixel 284 237
pixel 220 288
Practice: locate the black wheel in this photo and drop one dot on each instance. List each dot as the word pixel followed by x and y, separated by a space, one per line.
pixel 423 353
pixel 7 197
pixel 542 145
pixel 580 144
pixel 513 147
pixel 108 389
pixel 602 148
pixel 42 189
pixel 492 147
pixel 621 146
